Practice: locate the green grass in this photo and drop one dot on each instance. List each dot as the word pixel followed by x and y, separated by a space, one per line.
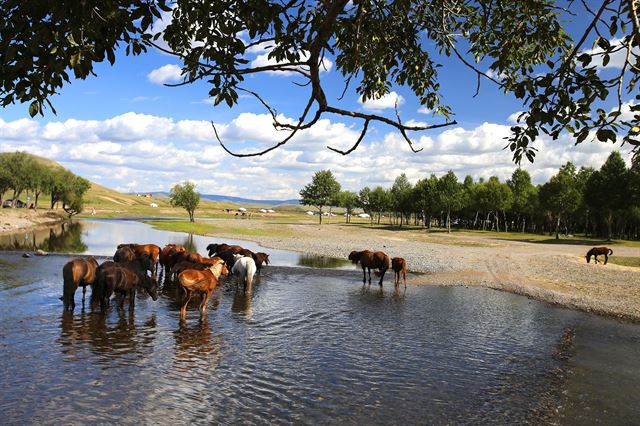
pixel 204 228
pixel 632 261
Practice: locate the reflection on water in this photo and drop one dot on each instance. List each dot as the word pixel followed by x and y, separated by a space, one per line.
pixel 101 237
pixel 62 238
pixel 309 346
pixel 322 261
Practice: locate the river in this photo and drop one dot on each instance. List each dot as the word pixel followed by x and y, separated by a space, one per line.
pixel 306 346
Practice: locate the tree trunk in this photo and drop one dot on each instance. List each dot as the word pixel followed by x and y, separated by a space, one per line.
pixel 475 220
pixel 449 221
pixel 558 228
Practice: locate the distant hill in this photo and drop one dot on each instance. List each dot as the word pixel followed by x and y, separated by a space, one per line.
pixel 237 200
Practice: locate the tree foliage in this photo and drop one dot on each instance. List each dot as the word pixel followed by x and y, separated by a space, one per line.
pixel 320 192
pixel 522 47
pixel 184 195
pixel 22 173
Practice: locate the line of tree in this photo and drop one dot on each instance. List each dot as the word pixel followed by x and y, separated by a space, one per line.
pixel 599 203
pixel 21 174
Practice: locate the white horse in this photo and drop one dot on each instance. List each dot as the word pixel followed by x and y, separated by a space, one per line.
pixel 244 269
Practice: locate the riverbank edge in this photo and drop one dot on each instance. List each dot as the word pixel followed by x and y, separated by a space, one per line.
pixel 14 221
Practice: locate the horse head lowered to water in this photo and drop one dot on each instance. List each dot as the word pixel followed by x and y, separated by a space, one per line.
pixel 371 260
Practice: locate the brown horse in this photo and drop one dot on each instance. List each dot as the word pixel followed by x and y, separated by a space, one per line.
pixel 258 258
pixel 168 252
pixel 371 260
pixel 186 264
pixel 77 272
pixel 219 248
pixel 173 256
pixel 204 282
pixel 151 249
pixel 122 278
pixel 399 266
pixel 597 251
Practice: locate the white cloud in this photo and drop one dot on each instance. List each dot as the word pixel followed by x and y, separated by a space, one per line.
pixel 169 73
pixel 387 101
pixel 424 110
pixel 149 153
pixel 263 60
pixel 616 60
pixel 513 118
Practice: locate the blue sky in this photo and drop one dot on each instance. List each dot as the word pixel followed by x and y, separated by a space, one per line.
pixel 127 131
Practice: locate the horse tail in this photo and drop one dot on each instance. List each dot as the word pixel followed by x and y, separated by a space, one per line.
pixel 248 279
pixel 69 287
pixel 610 251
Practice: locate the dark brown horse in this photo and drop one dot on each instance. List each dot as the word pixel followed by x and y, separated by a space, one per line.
pixel 151 249
pixel 124 254
pixel 597 251
pixel 77 272
pixel 194 281
pixel 123 278
pixel 228 258
pixel 371 260
pixel 219 248
pixel 399 266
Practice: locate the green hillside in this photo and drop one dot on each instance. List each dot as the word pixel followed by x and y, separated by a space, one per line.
pixel 109 203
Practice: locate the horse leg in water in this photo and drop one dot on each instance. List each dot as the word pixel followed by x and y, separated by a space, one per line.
pixel 183 303
pixel 132 297
pixel 364 275
pixel 382 272
pixel 203 304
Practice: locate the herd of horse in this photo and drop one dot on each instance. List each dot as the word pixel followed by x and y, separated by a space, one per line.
pixel 135 266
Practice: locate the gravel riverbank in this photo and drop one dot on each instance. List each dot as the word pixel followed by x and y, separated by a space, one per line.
pixel 555 273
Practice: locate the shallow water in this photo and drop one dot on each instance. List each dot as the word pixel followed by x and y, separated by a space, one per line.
pixel 102 236
pixel 309 346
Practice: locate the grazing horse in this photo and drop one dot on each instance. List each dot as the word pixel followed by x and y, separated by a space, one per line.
pixel 399 266
pixel 151 249
pixel 244 269
pixel 597 251
pixel 370 260
pixel 204 282
pixel 123 278
pixel 77 272
pixel 219 248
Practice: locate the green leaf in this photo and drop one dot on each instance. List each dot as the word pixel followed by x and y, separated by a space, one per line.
pixel 33 108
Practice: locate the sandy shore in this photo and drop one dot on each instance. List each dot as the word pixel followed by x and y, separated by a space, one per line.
pixel 14 220
pixel 555 273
